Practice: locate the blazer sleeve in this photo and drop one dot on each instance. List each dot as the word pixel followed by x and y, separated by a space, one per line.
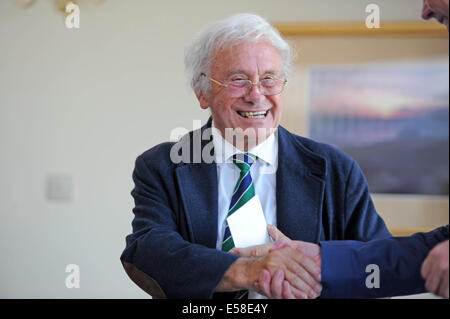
pixel 362 222
pixel 155 248
pixel 399 260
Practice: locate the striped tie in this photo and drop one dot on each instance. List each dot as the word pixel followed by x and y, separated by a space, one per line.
pixel 242 193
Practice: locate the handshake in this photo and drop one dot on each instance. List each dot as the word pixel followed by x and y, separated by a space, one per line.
pixel 286 268
pixel 292 269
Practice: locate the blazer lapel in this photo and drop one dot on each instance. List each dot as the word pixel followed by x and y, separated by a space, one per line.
pixel 300 189
pixel 198 188
pixel 197 181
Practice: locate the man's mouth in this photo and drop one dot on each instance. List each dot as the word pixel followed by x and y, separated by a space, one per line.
pixel 253 115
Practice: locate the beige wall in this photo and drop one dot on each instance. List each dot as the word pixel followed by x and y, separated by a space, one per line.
pixel 84 103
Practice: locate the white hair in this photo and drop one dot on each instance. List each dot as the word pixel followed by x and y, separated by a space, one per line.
pixel 235 29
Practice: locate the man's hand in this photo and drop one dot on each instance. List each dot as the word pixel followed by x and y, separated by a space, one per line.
pixel 308 249
pixel 435 270
pixel 280 282
pixel 296 269
pixel 262 250
pixel 286 264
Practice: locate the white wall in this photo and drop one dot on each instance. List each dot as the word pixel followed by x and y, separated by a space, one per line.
pixel 85 103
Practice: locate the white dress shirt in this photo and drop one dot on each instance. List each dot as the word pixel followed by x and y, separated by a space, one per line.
pixel 263 172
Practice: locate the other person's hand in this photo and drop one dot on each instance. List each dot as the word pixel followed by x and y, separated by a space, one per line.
pixel 435 270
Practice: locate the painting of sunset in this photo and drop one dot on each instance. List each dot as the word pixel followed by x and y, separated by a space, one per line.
pixel 392 119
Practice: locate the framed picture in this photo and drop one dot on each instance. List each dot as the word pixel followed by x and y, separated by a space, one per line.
pixel 391 118
pixel 381 96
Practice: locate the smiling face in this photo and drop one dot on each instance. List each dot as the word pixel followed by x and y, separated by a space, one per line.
pixel 437 9
pixel 245 61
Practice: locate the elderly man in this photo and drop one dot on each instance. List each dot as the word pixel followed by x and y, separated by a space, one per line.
pixel 186 192
pixel 406 265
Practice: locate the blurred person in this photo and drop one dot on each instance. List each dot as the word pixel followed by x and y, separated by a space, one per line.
pixel 437 9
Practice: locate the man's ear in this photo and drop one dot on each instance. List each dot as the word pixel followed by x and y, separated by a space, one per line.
pixel 203 100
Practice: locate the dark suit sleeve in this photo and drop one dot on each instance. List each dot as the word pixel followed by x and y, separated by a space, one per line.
pixel 362 222
pixel 399 260
pixel 156 248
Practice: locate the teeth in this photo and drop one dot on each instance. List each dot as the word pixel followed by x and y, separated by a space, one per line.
pixel 252 115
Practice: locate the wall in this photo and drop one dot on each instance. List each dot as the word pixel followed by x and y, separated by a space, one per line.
pixel 83 104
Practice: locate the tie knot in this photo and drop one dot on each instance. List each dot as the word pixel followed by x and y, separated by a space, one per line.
pixel 244 161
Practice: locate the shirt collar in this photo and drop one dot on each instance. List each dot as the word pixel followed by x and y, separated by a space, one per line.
pixel 267 150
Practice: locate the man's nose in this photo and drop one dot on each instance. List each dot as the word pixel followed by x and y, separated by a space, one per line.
pixel 254 94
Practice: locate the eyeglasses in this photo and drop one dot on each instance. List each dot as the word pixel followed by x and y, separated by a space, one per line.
pixel 239 88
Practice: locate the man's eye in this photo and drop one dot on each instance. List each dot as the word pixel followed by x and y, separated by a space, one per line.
pixel 239 82
pixel 268 82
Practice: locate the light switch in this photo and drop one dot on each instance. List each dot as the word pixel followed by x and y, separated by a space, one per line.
pixel 59 188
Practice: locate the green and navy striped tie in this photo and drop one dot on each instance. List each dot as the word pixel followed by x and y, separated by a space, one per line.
pixel 242 193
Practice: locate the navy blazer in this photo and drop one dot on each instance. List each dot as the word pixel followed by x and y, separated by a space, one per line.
pixel 321 194
pixel 399 260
